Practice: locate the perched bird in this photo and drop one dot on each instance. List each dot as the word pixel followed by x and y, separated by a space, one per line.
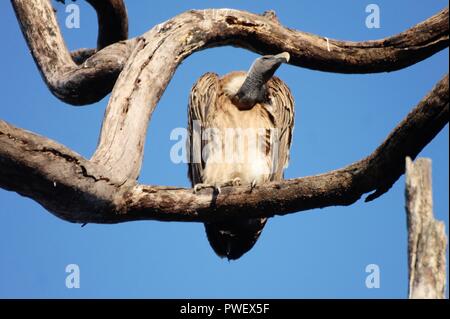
pixel 226 116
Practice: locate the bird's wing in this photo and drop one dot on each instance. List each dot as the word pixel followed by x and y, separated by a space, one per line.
pixel 282 112
pixel 202 103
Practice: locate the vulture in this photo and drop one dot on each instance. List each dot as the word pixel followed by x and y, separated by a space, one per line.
pixel 240 128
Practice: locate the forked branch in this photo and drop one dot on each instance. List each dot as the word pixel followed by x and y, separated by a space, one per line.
pixel 104 189
pixel 200 29
pixel 137 71
pixel 78 190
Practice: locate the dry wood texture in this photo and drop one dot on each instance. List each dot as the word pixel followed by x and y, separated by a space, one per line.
pixel 427 241
pixel 104 188
pixel 80 190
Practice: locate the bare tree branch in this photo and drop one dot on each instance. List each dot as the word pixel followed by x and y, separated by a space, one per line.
pixel 427 241
pixel 202 29
pixel 137 71
pixel 72 83
pixel 112 21
pixel 159 52
pixel 78 190
pixel 112 26
pixel 79 56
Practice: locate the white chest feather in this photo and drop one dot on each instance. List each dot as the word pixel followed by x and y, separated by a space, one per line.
pixel 233 86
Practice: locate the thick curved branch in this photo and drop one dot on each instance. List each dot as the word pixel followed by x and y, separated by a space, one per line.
pixel 159 52
pixel 106 184
pixel 112 26
pixel 78 190
pixel 112 21
pixel 217 27
pixel 72 83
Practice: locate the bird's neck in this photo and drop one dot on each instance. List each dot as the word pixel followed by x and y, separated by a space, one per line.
pixel 252 91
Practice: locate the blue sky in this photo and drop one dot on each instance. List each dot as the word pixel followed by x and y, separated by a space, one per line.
pixel 315 254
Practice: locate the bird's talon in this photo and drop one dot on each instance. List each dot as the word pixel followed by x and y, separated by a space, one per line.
pixel 197 188
pixel 236 181
pixel 252 185
pixel 200 186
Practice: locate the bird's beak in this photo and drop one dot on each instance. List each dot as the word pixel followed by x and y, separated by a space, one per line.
pixel 284 57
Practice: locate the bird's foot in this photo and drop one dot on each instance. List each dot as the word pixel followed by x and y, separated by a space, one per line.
pixel 234 182
pixel 217 188
pixel 253 185
pixel 198 187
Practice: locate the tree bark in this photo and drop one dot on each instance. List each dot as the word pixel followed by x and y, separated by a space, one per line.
pixel 104 189
pixel 80 190
pixel 137 71
pixel 112 21
pixel 427 241
pixel 200 29
pixel 112 26
pixel 75 84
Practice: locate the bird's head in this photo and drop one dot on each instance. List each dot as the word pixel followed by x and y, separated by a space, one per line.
pixel 253 89
pixel 268 64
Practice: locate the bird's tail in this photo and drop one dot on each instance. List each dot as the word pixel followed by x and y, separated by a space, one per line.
pixel 232 239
